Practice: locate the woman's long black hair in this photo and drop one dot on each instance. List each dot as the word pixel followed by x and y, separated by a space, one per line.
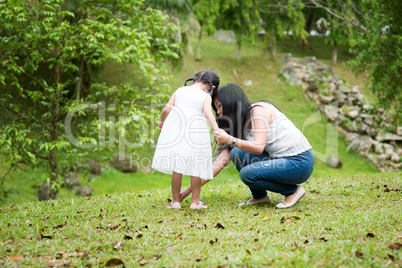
pixel 236 108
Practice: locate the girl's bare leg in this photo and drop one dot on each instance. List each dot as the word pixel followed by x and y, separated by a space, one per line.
pixel 195 189
pixel 176 186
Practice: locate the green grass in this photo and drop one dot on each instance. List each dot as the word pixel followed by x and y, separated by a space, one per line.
pixel 255 66
pixel 343 221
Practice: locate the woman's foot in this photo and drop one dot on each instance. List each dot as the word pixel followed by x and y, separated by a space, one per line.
pixel 252 201
pixel 175 205
pixel 292 199
pixel 198 205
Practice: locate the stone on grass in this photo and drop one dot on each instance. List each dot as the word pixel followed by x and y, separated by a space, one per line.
pixel 123 163
pixel 71 180
pixel 334 161
pixel 94 166
pixel 290 74
pixel 84 190
pixel 46 193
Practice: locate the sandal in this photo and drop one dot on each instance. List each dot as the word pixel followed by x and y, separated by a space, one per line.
pixel 200 205
pixel 175 205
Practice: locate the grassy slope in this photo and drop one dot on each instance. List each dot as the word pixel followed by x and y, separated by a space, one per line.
pixel 254 66
pixel 329 227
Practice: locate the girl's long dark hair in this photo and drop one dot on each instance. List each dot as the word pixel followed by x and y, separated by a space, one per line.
pixel 236 108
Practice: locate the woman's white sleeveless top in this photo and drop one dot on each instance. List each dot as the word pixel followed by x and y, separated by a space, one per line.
pixel 283 139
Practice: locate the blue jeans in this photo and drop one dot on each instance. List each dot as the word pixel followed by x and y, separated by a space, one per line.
pixel 280 175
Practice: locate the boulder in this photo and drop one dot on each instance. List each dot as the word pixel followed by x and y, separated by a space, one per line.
pixel 395 157
pixel 228 37
pixel 94 167
pixel 124 163
pixel 308 60
pixel 84 190
pixel 381 160
pixel 334 161
pixel 286 58
pixel 312 87
pixel 325 99
pixel 399 131
pixel 289 73
pixel 389 150
pixel 378 147
pixel 390 137
pixel 45 192
pixel 363 144
pixel 71 180
pixel 352 114
pixel 331 111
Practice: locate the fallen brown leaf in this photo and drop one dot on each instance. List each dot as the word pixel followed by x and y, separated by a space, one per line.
pixel 359 254
pixel 370 235
pixel 118 244
pixel 15 257
pixel 45 236
pixel 127 237
pixel 143 262
pixel 265 218
pixel 114 262
pixel 395 246
pixel 219 226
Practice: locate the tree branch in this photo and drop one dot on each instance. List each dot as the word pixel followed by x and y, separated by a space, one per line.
pixel 335 14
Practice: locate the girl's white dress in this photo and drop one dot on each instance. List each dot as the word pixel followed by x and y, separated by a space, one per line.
pixel 184 144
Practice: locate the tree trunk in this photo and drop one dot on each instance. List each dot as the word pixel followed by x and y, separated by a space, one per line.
pixel 335 53
pixel 308 26
pixel 78 87
pixel 273 49
pixel 198 53
pixel 238 51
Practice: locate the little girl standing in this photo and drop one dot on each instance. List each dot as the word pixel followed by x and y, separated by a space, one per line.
pixel 184 145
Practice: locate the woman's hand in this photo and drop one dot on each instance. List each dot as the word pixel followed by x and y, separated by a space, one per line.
pixel 186 192
pixel 160 125
pixel 221 136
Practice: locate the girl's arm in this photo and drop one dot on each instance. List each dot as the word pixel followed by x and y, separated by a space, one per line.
pixel 220 162
pixel 167 110
pixel 206 108
pixel 261 119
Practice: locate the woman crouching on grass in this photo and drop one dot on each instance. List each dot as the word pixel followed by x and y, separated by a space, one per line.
pixel 270 153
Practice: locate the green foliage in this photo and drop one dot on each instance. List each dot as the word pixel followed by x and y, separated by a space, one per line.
pixel 347 220
pixel 50 53
pixel 207 11
pixel 242 17
pixel 378 51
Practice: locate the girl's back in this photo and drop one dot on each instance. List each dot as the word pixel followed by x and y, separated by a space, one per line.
pixel 190 100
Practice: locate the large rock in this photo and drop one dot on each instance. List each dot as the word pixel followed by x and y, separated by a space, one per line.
pixel 290 74
pixel 352 114
pixel 228 37
pixel 309 60
pixel 71 180
pixel 46 193
pixel 363 144
pixel 94 167
pixel 381 160
pixel 124 164
pixel 334 161
pixel 331 112
pixel 325 99
pixel 312 87
pixel 84 190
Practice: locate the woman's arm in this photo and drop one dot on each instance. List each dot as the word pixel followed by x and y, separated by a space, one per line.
pixel 167 110
pixel 220 162
pixel 261 119
pixel 206 107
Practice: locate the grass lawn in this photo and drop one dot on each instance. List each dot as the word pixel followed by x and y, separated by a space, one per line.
pixel 346 221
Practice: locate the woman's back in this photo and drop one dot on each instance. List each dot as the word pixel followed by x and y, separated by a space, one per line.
pixel 283 138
